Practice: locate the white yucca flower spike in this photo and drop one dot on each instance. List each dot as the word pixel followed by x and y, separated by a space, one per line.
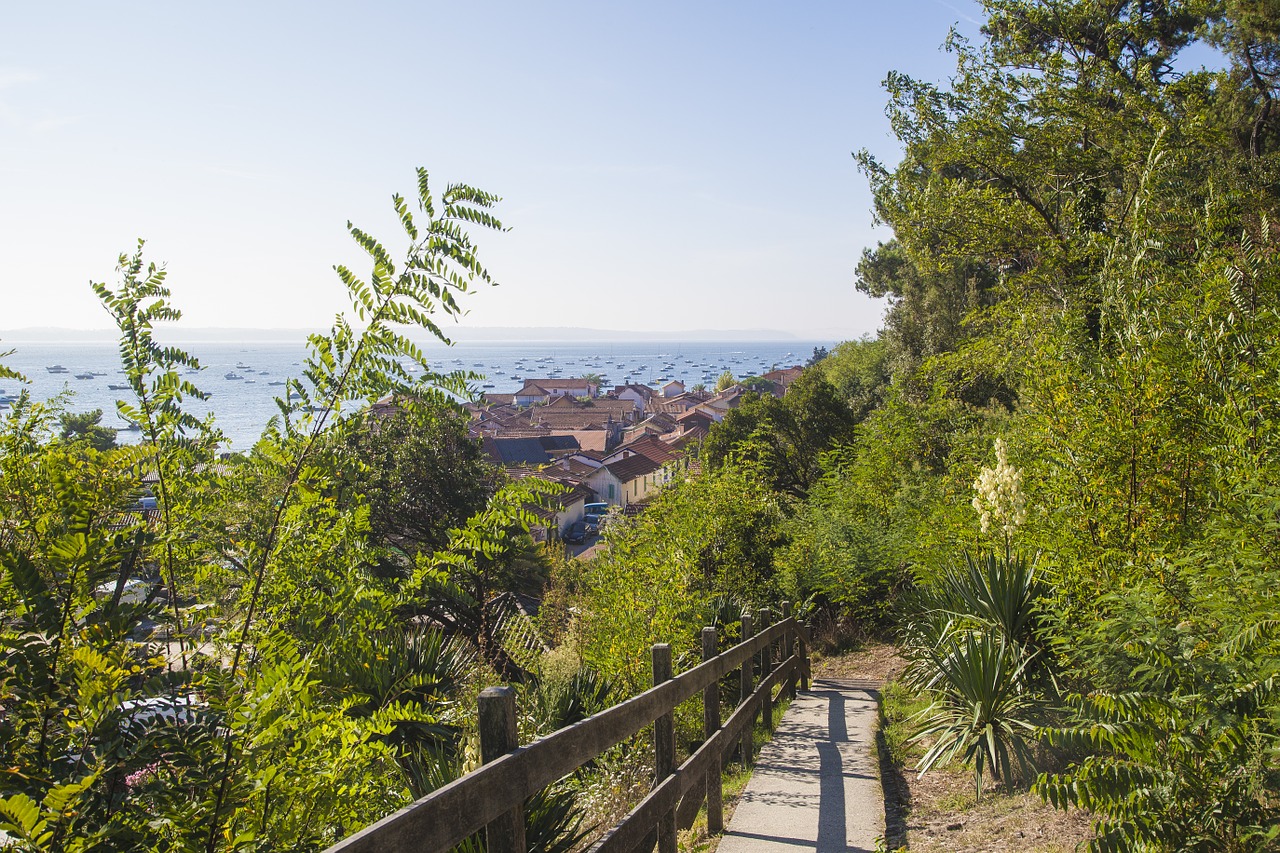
pixel 998 496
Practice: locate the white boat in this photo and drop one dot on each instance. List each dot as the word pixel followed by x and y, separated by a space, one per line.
pixel 57 368
pixel 232 376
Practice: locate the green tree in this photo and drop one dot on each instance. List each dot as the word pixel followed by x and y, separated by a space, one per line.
pixel 413 463
pixel 699 538
pixel 758 384
pixel 860 372
pixel 87 427
pixel 782 440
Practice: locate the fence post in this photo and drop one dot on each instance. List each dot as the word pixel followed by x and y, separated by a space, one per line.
pixel 788 647
pixel 766 667
pixel 664 748
pixel 747 744
pixel 710 725
pixel 498 737
pixel 804 658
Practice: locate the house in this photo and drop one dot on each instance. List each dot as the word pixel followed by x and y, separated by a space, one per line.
pixel 528 450
pixel 678 404
pixel 626 481
pixel 674 388
pixel 543 390
pixel 532 393
pixel 640 395
pixel 783 378
pixel 693 419
pixel 647 446
pixel 717 406
pixel 578 465
pixel 659 424
pixel 558 512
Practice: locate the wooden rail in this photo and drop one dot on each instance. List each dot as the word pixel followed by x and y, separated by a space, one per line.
pixel 492 797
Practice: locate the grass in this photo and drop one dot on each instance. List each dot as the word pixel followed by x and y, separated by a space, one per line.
pixel 941 810
pixel 899 712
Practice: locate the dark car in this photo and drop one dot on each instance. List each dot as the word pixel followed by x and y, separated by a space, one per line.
pixel 577 533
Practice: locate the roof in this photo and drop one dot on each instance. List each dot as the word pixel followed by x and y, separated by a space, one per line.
pixel 516 451
pixel 559 443
pixel 632 468
pixel 681 440
pixel 690 414
pixel 651 448
pixel 574 420
pixel 557 384
pixel 786 375
pixel 641 390
pixel 575 467
pixel 532 389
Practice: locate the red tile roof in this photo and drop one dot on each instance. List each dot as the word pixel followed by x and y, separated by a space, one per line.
pixel 632 468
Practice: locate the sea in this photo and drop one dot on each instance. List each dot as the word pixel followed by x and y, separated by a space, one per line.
pixel 244 379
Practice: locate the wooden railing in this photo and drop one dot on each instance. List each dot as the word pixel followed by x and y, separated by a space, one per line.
pixel 492 797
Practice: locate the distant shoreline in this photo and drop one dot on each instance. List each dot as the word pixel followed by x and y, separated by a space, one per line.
pixel 460 334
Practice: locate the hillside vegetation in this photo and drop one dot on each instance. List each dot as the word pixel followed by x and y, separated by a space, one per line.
pixel 1052 479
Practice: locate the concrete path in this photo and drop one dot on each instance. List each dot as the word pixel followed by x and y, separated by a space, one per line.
pixel 816 785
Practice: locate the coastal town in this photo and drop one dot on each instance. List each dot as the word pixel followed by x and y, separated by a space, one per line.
pixel 610 450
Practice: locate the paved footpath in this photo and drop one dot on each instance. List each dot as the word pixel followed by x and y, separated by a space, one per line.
pixel 816 785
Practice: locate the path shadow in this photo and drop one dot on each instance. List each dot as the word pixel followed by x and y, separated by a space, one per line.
pixel 897 794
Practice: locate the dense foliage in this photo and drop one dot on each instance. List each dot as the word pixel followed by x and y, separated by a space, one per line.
pixel 1085 273
pixel 1084 264
pixel 205 653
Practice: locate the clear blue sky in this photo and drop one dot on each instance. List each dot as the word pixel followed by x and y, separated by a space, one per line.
pixel 663 165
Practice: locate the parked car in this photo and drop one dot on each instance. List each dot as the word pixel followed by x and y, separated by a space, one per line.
pixel 593 522
pixel 136 591
pixel 577 533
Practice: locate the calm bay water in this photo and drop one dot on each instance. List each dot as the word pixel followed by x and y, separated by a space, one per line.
pixel 243 406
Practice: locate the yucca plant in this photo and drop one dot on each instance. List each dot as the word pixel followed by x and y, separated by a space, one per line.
pixel 981 713
pixel 973 647
pixel 998 591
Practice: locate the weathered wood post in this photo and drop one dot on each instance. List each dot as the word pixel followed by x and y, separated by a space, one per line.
pixel 788 648
pixel 664 748
pixel 766 667
pixel 711 725
pixel 498 737
pixel 804 663
pixel 747 744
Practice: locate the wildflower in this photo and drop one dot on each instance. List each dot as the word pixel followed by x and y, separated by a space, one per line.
pixel 137 777
pixel 998 496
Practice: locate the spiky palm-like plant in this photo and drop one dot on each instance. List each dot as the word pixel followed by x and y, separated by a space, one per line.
pixel 981 710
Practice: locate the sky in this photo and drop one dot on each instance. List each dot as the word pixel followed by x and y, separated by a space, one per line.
pixel 663 165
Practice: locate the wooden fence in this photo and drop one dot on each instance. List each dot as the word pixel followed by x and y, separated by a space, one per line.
pixel 492 797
